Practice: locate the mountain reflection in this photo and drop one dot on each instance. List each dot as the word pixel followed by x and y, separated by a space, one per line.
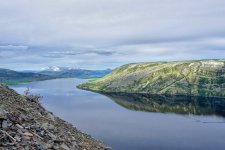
pixel 172 104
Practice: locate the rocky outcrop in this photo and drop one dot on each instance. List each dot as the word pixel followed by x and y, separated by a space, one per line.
pixel 25 125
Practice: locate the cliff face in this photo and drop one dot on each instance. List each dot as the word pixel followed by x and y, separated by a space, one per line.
pixel 25 124
pixel 200 77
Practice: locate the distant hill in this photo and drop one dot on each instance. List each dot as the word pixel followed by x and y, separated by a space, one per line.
pixel 11 77
pixel 27 71
pixel 76 73
pixel 199 78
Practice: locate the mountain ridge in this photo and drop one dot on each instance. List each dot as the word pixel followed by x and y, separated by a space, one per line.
pixel 11 77
pixel 195 77
pixel 76 73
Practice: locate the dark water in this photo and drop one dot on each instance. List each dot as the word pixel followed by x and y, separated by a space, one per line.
pixel 164 122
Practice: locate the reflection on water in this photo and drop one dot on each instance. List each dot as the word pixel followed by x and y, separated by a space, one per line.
pixel 126 129
pixel 168 103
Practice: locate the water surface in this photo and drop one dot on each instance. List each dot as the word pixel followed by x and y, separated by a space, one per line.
pixel 124 129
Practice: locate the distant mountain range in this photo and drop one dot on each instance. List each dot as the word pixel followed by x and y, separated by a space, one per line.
pixel 11 77
pixel 73 72
pixel 197 78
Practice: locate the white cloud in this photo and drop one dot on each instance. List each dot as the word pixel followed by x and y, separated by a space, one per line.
pixel 13 47
pixel 110 33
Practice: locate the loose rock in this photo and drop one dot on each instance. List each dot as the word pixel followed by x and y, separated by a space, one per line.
pixel 25 124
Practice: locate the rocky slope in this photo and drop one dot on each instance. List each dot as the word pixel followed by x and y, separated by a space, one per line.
pixel 25 125
pixel 200 77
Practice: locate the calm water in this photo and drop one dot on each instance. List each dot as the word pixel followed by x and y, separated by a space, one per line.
pixel 126 129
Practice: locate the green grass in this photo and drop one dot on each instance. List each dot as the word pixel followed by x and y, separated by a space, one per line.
pixel 93 79
pixel 197 77
pixel 10 77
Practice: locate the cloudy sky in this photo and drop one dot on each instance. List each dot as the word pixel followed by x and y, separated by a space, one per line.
pixel 100 34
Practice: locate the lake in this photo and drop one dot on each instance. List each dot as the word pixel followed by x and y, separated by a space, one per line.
pixel 135 122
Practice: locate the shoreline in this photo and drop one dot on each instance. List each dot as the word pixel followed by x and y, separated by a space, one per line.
pixel 25 124
pixel 87 89
pixel 45 80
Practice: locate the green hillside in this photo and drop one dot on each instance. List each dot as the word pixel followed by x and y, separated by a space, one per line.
pixel 200 77
pixel 11 77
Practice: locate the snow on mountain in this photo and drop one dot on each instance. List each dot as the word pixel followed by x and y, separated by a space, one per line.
pixel 72 68
pixel 56 68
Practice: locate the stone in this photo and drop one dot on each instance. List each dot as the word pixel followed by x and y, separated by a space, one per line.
pixel 51 116
pixel 52 136
pixel 73 146
pixel 20 132
pixel 43 147
pixel 73 138
pixel 51 127
pixel 24 130
pixel 37 129
pixel 48 145
pixel 4 124
pixel 18 139
pixel 19 126
pixel 13 127
pixel 27 148
pixel 26 138
pixel 58 140
pixel 2 116
pixel 28 134
pixel 64 146
pixel 24 143
pixel 37 141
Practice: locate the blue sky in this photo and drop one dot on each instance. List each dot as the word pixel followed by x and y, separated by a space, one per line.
pixel 100 34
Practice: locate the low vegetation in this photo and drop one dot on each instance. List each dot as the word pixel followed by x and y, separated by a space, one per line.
pixel 10 77
pixel 197 77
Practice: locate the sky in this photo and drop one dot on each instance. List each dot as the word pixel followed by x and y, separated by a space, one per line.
pixel 101 34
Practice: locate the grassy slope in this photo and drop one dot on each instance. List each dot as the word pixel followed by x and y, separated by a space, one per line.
pixel 200 77
pixel 10 77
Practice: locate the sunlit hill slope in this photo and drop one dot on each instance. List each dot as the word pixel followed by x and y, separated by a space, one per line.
pixel 200 78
